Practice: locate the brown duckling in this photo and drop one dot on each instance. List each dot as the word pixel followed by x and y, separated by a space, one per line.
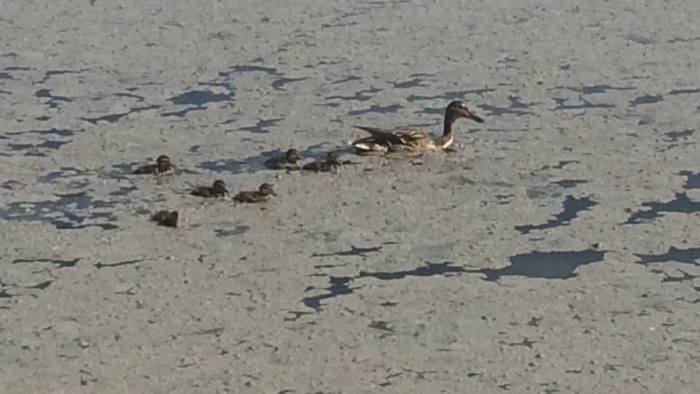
pixel 218 189
pixel 285 162
pixel 328 165
pixel 163 166
pixel 166 218
pixel 406 139
pixel 259 195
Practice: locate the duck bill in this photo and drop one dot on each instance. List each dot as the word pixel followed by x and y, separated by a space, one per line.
pixel 475 118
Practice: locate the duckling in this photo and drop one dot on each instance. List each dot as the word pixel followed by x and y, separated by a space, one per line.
pixel 414 140
pixel 218 189
pixel 256 196
pixel 166 218
pixel 163 166
pixel 328 165
pixel 285 162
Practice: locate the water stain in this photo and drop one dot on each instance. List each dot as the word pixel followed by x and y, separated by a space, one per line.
pixel 354 251
pixel 449 96
pixel 199 98
pixel 362 95
pixel 685 256
pixel 339 285
pixel 242 229
pixel 544 265
pixel 674 136
pixel 261 126
pixel 249 68
pixel 681 204
pixel 569 183
pixel 692 179
pixel 57 263
pixel 6 76
pixel 69 211
pixel 646 99
pixel 387 109
pixel 346 79
pixel 594 89
pixel 56 132
pixel 181 113
pixel 123 191
pixel 638 39
pixel 562 106
pixel 38 149
pixel 282 81
pixel 516 108
pixel 54 101
pixel 429 269
pixel 62 172
pixel 411 83
pixel 113 118
pixel 572 207
pixel 675 92
pixel 50 73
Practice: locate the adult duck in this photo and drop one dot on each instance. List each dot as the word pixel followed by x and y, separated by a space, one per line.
pixel 405 139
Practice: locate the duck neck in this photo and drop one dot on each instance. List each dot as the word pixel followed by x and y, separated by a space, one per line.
pixel 448 134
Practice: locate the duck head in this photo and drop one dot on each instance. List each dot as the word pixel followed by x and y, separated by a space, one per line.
pixel 292 156
pixel 219 186
pixel 458 109
pixel 266 189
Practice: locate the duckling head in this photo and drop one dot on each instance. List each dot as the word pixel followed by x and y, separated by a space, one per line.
pixel 163 161
pixel 266 189
pixel 219 186
pixel 292 156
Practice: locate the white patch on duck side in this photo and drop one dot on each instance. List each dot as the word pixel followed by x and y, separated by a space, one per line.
pixel 449 141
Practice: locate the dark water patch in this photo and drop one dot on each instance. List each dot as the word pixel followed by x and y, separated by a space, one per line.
pixel 57 263
pixel 594 89
pixel 53 101
pixel 562 106
pixel 41 285
pixel 56 132
pixel 62 172
pixel 429 269
pixel 123 191
pixel 544 265
pixel 261 126
pixel 636 38
pixel 194 148
pixel 130 95
pixel 338 286
pixel 692 179
pixel 6 76
pixel 515 108
pixel 181 113
pixel 50 73
pixel 674 136
pixel 12 184
pixel 675 92
pixel 295 315
pixel 646 99
pixel 279 83
pixel 15 68
pixel 100 265
pixel 69 211
pixel 381 325
pixel 572 207
pixel 354 251
pixel 37 149
pixel 238 230
pixel 362 95
pixel 200 97
pixel 346 79
pixel 570 183
pixel 411 83
pixel 113 118
pixel 681 204
pixel 685 277
pixel 4 92
pixel 685 256
pixel 449 96
pixel 249 68
pixel 387 109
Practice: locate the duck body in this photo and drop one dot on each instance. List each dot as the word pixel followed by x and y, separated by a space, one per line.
pixel 163 166
pixel 218 189
pixel 404 139
pixel 330 164
pixel 256 196
pixel 166 218
pixel 285 162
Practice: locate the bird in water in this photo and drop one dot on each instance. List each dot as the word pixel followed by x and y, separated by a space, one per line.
pixel 284 162
pixel 166 218
pixel 259 195
pixel 405 139
pixel 218 189
pixel 332 162
pixel 163 166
